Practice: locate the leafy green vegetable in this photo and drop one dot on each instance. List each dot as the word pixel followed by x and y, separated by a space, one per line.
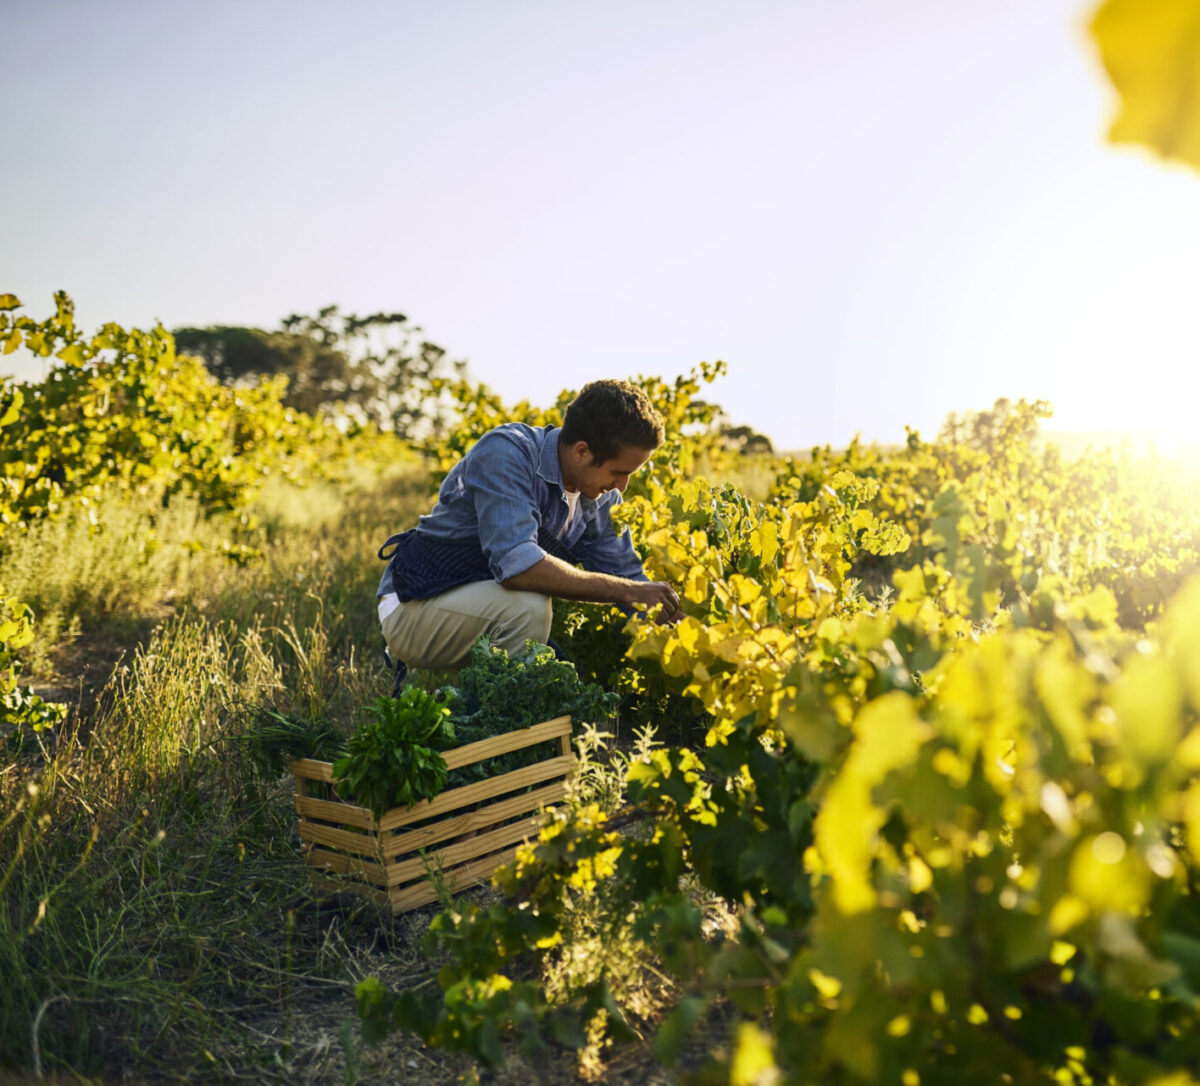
pixel 497 693
pixel 393 757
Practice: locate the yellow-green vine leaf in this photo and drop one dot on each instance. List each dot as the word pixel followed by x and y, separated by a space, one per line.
pixel 12 412
pixel 1151 50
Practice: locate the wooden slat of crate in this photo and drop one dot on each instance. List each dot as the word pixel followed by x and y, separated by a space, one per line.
pixel 350 814
pixel 558 728
pixel 502 744
pixel 396 844
pixel 452 855
pixel 312 770
pixel 332 810
pixel 347 865
pixel 478 792
pixel 457 880
pixel 443 830
pixel 357 844
pixel 414 895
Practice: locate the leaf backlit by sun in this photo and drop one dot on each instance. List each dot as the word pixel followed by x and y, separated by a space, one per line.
pixel 1151 50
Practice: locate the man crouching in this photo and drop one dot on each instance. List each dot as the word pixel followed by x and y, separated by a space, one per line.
pixel 513 521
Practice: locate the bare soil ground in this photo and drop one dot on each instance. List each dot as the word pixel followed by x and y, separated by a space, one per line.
pixel 81 669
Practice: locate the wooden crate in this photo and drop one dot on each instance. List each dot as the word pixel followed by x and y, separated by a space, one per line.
pixel 387 858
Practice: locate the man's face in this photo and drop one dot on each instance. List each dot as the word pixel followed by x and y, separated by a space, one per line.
pixel 582 473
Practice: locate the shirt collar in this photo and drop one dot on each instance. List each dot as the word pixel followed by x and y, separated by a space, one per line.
pixel 549 467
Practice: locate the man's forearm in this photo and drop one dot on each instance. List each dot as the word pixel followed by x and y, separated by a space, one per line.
pixel 554 577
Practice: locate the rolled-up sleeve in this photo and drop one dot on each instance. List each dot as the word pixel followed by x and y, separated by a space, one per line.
pixel 501 480
pixel 602 550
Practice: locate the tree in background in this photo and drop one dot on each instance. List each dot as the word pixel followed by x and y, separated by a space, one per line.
pixel 745 440
pixel 1006 425
pixel 379 368
pixel 739 440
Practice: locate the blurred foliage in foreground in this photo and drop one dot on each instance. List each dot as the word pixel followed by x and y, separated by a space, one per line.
pixel 1151 51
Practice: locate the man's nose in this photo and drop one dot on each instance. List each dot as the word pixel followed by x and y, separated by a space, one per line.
pixel 621 484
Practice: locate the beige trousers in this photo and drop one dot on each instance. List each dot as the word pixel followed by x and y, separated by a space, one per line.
pixel 439 632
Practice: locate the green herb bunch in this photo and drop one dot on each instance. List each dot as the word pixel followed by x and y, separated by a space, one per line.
pixel 393 757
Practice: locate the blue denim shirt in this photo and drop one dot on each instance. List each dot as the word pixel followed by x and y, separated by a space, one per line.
pixel 507 491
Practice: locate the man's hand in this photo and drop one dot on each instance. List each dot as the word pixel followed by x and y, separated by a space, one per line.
pixel 657 594
pixel 554 577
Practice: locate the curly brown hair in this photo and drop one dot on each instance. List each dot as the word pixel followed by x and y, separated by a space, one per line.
pixel 610 416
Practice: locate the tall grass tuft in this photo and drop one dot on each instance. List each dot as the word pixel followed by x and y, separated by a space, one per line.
pixel 170 705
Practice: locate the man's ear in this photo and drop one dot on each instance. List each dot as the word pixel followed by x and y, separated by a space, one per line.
pixel 582 453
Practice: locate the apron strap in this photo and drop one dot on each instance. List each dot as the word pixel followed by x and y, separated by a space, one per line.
pixel 392 542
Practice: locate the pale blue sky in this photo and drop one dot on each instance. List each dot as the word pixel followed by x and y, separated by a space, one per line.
pixel 875 211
